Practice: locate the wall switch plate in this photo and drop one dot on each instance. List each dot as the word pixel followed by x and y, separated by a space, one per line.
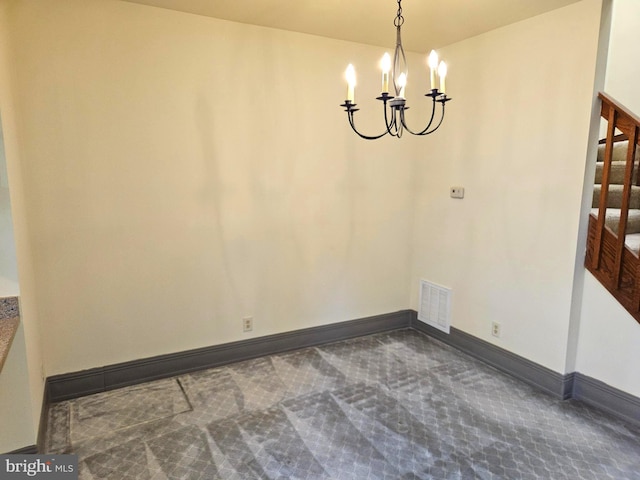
pixel 457 192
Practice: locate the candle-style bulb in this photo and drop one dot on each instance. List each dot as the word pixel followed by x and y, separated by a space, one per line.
pixel 433 59
pixel 350 74
pixel 442 73
pixel 433 65
pixel 385 65
pixel 402 83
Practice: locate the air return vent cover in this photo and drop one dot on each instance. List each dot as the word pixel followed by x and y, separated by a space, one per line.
pixel 435 305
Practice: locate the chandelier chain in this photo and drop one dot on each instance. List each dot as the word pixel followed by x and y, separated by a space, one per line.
pixel 399 20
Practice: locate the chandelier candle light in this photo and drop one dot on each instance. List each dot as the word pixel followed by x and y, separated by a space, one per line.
pixel 395 106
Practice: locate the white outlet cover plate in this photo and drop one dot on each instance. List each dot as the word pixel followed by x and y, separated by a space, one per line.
pixel 457 192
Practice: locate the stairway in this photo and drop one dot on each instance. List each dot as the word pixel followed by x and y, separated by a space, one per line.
pixel 613 239
pixel 614 200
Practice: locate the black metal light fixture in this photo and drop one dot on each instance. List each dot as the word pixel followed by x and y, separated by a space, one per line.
pixel 394 107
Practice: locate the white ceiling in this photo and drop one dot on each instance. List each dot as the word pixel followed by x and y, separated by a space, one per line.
pixel 428 23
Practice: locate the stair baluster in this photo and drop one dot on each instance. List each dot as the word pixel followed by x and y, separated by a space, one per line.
pixel 624 210
pixel 604 189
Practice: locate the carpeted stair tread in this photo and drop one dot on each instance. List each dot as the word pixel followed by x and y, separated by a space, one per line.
pixel 613 218
pixel 619 152
pixel 632 241
pixel 617 172
pixel 615 196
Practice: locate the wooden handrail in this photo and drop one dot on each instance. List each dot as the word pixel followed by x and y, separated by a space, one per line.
pixel 609 100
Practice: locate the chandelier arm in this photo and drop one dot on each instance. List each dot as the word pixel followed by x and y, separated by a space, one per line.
pixel 393 125
pixel 422 132
pixel 437 126
pixel 366 137
pixel 433 114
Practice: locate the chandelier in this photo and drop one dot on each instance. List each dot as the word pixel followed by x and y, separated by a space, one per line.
pixel 395 106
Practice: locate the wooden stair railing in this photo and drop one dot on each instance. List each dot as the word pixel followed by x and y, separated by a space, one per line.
pixel 615 265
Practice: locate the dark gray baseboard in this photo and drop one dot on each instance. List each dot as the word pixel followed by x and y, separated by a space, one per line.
pixel 604 397
pixel 572 385
pixel 86 382
pixel 30 450
pixel 529 372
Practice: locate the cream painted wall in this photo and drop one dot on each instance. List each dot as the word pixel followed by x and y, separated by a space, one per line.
pixel 609 341
pixel 623 69
pixel 21 385
pixel 523 101
pixel 609 347
pixel 184 172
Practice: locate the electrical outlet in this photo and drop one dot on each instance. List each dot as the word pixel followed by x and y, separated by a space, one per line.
pixel 495 329
pixel 456 192
pixel 247 324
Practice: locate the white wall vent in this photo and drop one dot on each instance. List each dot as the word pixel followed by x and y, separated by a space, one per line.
pixel 435 305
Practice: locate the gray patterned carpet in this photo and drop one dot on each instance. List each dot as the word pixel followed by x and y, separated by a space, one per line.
pixel 390 406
